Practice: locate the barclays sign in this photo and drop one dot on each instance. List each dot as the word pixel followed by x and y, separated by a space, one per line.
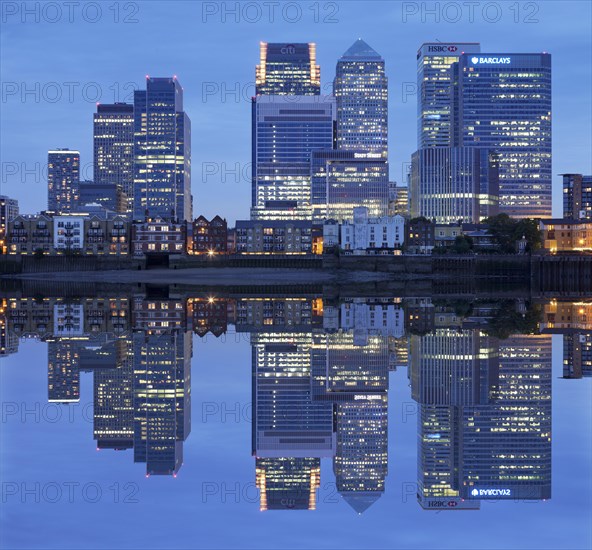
pixel 478 60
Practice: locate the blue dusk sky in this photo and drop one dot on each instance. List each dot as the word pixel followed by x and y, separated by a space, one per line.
pixel 57 61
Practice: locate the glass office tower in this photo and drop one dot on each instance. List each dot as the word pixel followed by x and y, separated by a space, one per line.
pixel 162 152
pixel 361 93
pixel 63 180
pixel 286 130
pixel 343 180
pixel 113 159
pixel 434 83
pixel 502 101
pixel 288 69
pixel 451 184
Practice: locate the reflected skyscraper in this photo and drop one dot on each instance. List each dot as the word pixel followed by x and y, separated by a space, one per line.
pixel 162 398
pixel 361 458
pixel 287 422
pixel 351 369
pixel 577 355
pixel 450 370
pixel 507 441
pixel 63 373
pixel 288 483
pixel 113 398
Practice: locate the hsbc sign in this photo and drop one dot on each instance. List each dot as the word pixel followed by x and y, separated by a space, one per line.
pixel 442 49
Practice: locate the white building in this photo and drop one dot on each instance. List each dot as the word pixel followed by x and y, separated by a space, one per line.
pixel 364 233
pixel 373 318
pixel 68 232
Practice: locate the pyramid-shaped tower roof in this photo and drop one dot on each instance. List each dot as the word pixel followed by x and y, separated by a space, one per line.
pixel 360 50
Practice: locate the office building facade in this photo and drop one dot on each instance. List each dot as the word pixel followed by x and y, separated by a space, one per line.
pixel 285 133
pixel 361 93
pixel 287 69
pixel 502 102
pixel 434 88
pixel 451 184
pixel 63 180
pixel 113 148
pixel 162 152
pixel 577 196
pixel 342 180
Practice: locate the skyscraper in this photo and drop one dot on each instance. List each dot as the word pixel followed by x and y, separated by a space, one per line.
pixel 451 184
pixel 434 88
pixel 344 179
pixel 502 101
pixel 447 184
pixel 577 196
pixel 162 152
pixel 113 159
pixel 285 133
pixel 288 69
pixel 63 180
pixel 361 93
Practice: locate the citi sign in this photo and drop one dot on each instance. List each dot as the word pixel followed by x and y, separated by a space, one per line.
pixel 442 48
pixel 288 50
pixel 491 60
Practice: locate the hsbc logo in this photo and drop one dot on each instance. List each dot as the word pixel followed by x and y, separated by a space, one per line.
pixel 442 504
pixel 442 49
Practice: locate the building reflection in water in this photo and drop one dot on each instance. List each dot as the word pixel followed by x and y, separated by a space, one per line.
pixel 480 374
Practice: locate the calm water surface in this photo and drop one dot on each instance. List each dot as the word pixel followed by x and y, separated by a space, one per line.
pixel 165 421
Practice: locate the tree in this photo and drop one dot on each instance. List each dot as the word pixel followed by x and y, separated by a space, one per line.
pixel 462 244
pixel 507 232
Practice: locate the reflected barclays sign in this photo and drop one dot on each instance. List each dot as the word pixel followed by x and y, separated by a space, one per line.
pixel 491 493
pixel 477 60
